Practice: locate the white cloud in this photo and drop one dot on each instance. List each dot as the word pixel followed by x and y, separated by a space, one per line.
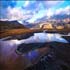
pixel 26 3
pixel 38 15
pixel 50 4
pixel 54 2
pixel 17 14
pixel 49 13
pixel 65 10
pixel 3 19
pixel 44 8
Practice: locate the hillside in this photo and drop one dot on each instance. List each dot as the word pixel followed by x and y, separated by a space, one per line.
pixel 4 25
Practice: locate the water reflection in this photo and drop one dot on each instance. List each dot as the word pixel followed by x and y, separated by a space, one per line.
pixel 36 38
pixel 39 37
pixel 32 55
pixel 8 46
pixel 44 37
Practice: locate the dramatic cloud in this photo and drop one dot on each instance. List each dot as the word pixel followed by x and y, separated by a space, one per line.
pixel 49 13
pixel 26 3
pixel 50 4
pixel 32 10
pixel 65 10
pixel 17 14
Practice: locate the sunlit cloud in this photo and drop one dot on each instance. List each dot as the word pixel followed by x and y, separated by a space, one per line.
pixel 50 4
pixel 17 14
pixel 32 10
pixel 40 14
pixel 49 13
pixel 26 3
pixel 65 10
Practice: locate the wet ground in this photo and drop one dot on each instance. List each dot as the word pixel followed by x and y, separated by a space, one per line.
pixel 9 60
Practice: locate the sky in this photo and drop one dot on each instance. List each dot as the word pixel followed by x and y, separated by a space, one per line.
pixel 31 10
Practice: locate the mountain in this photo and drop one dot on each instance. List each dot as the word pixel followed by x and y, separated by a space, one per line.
pixel 56 17
pixel 27 24
pixel 10 25
pixel 41 19
pixel 60 16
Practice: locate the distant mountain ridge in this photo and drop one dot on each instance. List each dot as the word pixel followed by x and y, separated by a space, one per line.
pixel 60 16
pixel 10 25
pixel 42 19
pixel 27 24
pixel 56 17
